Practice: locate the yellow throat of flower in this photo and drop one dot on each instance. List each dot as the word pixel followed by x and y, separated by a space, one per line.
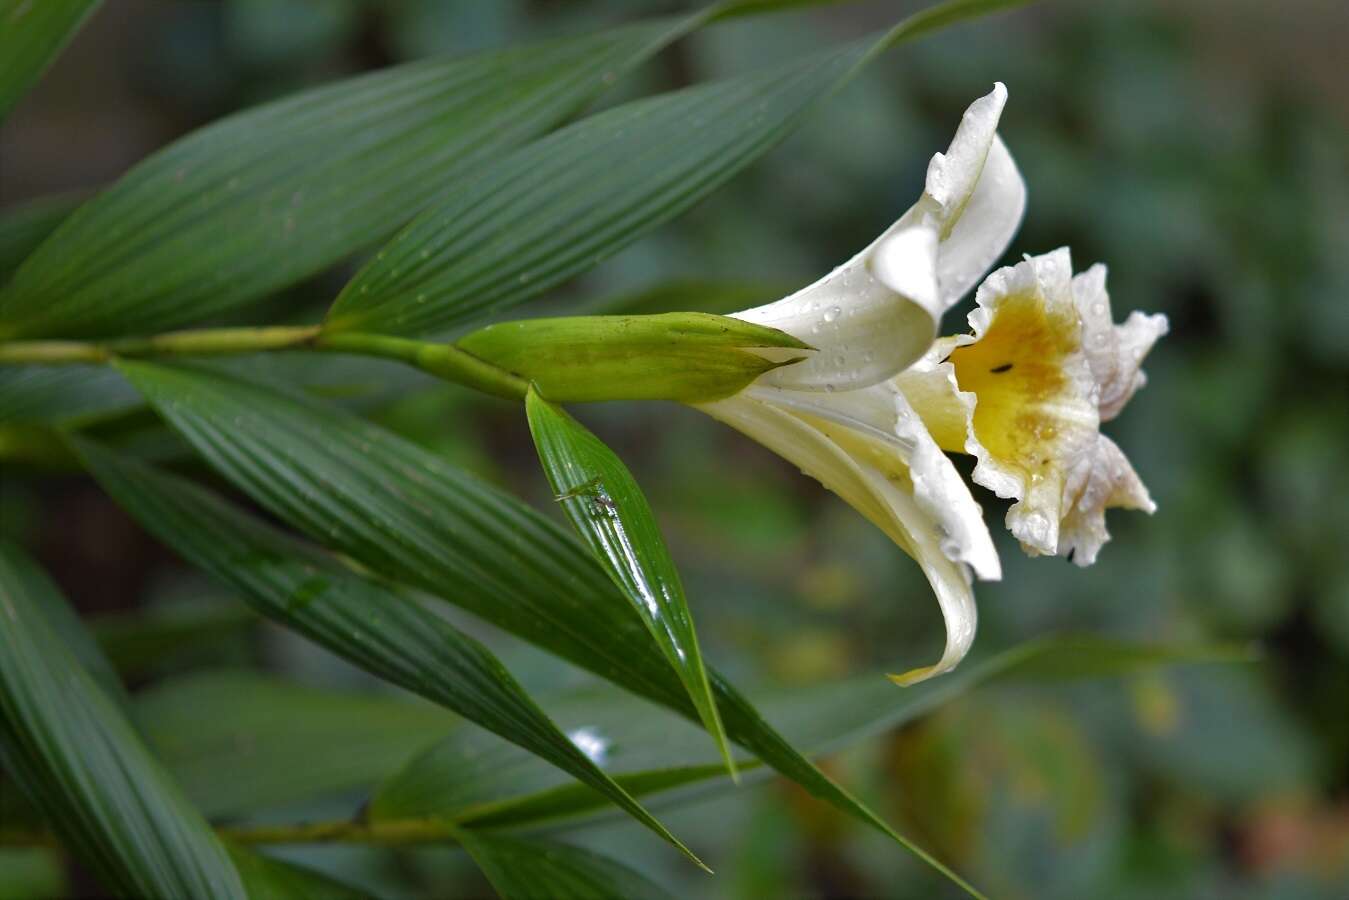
pixel 1019 372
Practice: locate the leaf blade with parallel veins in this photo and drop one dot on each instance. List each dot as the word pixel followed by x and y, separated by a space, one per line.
pixel 82 764
pixel 610 513
pixel 413 517
pixel 367 622
pixel 558 206
pixel 266 197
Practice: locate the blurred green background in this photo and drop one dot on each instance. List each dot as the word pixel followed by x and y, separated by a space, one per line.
pixel 1200 149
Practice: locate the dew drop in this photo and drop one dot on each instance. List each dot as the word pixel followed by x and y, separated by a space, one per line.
pixel 831 313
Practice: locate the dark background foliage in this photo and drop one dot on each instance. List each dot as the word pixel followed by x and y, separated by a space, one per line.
pixel 1197 148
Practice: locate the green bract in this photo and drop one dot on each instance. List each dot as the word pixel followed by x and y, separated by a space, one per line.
pixel 690 357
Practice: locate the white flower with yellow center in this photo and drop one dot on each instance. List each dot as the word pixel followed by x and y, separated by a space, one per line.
pixel 840 416
pixel 1026 394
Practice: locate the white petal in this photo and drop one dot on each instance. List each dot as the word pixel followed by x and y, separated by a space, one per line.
pixel 932 390
pixel 1135 338
pixel 1115 352
pixel 881 414
pixel 873 316
pixel 813 445
pixel 952 176
pixel 1101 478
pixel 989 219
pixel 863 328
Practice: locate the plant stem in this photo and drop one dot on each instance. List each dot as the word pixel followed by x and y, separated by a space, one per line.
pixel 215 341
pixel 387 834
pixel 442 360
pixel 51 353
pixel 201 342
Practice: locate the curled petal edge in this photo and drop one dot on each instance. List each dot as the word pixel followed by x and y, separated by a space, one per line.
pixel 808 442
pixel 876 314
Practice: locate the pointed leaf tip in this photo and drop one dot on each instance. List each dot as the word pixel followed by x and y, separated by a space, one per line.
pixel 610 513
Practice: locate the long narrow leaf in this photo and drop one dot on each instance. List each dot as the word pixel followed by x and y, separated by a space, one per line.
pixel 31 36
pixel 609 511
pixel 137 641
pixel 198 723
pixel 271 879
pixel 84 767
pixel 474 779
pixel 368 622
pixel 23 228
pixel 413 517
pixel 271 195
pixel 69 629
pixel 529 870
pixel 561 204
pixel 57 394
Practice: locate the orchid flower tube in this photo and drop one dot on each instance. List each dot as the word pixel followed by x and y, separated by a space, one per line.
pixel 839 415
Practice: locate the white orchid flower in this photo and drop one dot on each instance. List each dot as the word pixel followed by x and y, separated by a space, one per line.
pixel 1026 393
pixel 838 414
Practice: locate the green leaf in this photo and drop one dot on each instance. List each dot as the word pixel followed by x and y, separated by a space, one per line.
pixel 84 767
pixel 138 641
pixel 473 779
pixel 239 742
pixel 528 870
pixel 66 626
pixel 62 394
pixel 610 513
pixel 266 197
pixel 370 623
pixel 271 879
pixel 31 873
pixel 1074 657
pixel 31 36
pixel 412 516
pixel 23 228
pixel 476 780
pixel 689 357
pixel 558 206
